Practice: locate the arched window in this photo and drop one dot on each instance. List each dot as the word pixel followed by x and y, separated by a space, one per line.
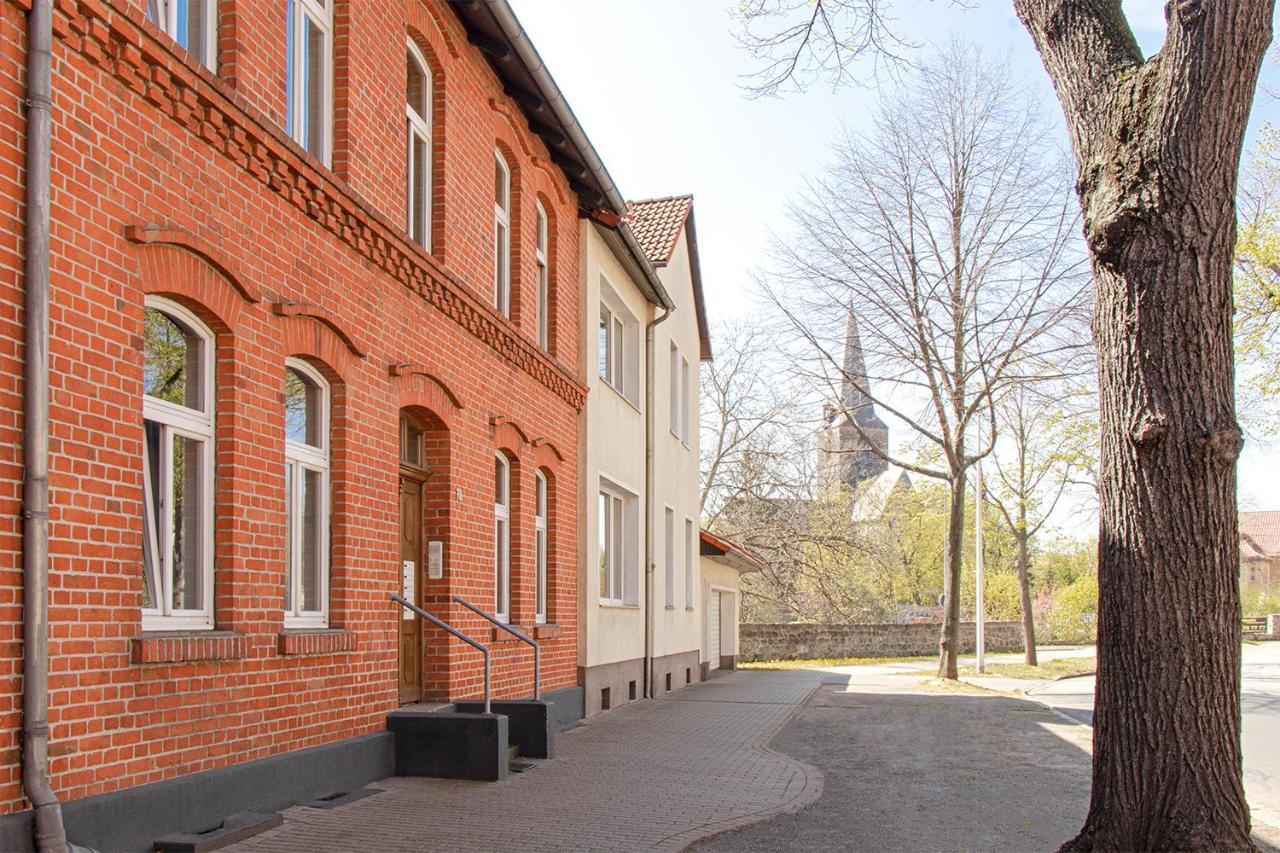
pixel 418 155
pixel 177 515
pixel 502 537
pixel 540 256
pixel 501 234
pixel 306 496
pixel 540 547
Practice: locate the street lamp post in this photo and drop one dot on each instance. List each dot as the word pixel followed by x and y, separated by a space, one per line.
pixel 979 627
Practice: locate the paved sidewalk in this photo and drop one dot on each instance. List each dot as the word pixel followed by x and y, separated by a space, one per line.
pixel 653 775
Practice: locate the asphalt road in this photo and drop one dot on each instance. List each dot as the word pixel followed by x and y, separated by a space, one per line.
pixel 1260 704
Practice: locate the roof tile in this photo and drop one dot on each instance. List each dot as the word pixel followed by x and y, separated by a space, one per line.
pixel 657 223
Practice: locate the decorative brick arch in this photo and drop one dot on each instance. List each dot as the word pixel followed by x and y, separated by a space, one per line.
pixel 320 317
pixel 306 338
pixel 166 270
pixel 546 455
pixel 422 391
pixel 508 435
pixel 156 235
pixel 421 19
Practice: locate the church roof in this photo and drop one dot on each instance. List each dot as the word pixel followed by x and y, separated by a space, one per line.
pixel 871 497
pixel 854 401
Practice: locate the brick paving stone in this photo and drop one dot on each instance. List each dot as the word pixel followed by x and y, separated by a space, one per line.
pixel 655 775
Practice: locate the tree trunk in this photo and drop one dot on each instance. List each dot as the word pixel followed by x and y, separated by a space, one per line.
pixel 1158 145
pixel 952 562
pixel 1024 593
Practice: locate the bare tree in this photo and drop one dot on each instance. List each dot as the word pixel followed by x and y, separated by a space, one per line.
pixel 749 423
pixel 1157 142
pixel 947 230
pixel 1035 466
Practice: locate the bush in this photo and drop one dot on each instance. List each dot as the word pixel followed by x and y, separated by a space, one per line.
pixel 1259 602
pixel 1073 614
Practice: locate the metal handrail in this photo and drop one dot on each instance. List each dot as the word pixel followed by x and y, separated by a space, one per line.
pixel 440 623
pixel 537 653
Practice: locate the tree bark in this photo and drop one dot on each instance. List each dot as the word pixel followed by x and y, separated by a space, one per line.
pixel 952 562
pixel 1158 144
pixel 1024 594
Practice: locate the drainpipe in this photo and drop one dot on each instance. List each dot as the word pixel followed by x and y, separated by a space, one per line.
pixel 648 500
pixel 50 836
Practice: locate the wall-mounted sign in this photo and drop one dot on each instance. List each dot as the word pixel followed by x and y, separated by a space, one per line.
pixel 435 560
pixel 409 584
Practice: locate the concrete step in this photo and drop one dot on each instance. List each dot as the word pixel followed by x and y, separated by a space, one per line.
pixel 450 744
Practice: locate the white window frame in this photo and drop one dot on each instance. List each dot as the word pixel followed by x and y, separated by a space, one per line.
pixel 307 457
pixel 164 14
pixel 543 273
pixel 690 539
pixel 541 494
pixel 673 415
pixel 176 420
pixel 502 244
pixel 611 548
pixel 684 400
pixel 418 127
pixel 502 539
pixel 613 368
pixel 670 535
pixel 322 17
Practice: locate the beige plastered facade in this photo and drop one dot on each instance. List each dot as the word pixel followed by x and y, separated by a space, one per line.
pixel 611 648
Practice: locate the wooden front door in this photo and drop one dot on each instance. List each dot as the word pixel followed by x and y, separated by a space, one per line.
pixel 411 582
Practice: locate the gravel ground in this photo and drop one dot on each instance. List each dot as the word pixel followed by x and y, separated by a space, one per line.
pixel 908 765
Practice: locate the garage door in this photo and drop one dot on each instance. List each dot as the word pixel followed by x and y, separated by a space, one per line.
pixel 713 630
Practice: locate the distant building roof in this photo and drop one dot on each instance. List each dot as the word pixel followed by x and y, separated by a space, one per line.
pixel 1260 534
pixel 735 555
pixel 657 224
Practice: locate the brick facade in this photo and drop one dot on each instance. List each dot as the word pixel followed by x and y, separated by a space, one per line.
pixel 171 180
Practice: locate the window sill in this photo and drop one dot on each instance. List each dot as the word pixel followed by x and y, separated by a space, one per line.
pixel 689 609
pixel 315 641
pixel 618 605
pixel 186 646
pixel 499 637
pixel 546 631
pixel 671 607
pixel 621 395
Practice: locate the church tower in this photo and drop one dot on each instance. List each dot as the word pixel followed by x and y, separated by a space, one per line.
pixel 845 457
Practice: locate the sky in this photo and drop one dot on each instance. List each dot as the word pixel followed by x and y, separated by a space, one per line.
pixel 658 87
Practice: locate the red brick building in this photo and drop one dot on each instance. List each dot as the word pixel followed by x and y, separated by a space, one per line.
pixel 314 335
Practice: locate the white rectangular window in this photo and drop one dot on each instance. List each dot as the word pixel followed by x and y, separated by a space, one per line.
pixel 540 547
pixel 306 491
pixel 690 543
pixel 684 400
pixel 501 235
pixel 418 137
pixel 193 24
pixel 502 537
pixel 669 532
pixel 673 392
pixel 613 341
pixel 612 552
pixel 309 75
pixel 540 258
pixel 177 511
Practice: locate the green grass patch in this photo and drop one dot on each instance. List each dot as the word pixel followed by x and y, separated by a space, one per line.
pixel 1052 668
pixel 824 663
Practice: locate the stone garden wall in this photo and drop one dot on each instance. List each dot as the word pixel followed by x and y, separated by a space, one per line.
pixel 805 641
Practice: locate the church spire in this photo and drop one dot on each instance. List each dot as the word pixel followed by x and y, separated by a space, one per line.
pixel 853 381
